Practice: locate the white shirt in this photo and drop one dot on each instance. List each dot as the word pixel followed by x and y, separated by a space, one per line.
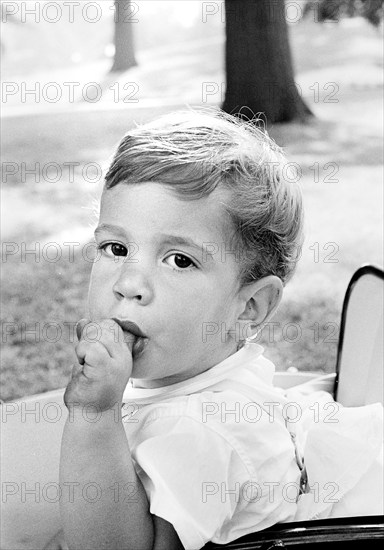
pixel 216 457
pixel 213 452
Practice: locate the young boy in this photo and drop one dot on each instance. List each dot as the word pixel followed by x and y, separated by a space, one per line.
pixel 198 233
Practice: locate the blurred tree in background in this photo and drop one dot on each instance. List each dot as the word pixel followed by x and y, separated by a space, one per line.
pixel 259 70
pixel 258 62
pixel 334 10
pixel 124 47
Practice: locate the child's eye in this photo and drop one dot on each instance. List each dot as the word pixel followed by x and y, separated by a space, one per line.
pixel 180 262
pixel 114 249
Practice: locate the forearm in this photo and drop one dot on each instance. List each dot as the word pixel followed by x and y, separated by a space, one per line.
pixel 109 508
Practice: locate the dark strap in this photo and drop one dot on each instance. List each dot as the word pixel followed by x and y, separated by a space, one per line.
pixel 304 485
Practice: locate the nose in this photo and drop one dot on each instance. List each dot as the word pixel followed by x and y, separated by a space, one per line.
pixel 133 284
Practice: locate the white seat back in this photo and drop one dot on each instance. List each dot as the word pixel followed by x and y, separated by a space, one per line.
pixel 360 356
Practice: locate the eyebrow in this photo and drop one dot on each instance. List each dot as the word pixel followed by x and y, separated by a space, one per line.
pixel 111 229
pixel 182 241
pixel 168 239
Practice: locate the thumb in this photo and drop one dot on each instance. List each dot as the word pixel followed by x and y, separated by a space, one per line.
pixel 127 337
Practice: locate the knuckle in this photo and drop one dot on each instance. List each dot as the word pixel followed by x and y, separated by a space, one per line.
pixel 96 355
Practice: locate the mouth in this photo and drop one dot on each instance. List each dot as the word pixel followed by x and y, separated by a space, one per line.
pixel 140 340
pixel 130 326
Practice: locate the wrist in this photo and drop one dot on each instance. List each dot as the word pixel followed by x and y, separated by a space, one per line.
pixel 93 415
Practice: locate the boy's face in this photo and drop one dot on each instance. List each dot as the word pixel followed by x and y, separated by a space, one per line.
pixel 185 301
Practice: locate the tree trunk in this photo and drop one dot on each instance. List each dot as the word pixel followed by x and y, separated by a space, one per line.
pixel 124 48
pixel 259 64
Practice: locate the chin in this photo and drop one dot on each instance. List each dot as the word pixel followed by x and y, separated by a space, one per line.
pixel 141 369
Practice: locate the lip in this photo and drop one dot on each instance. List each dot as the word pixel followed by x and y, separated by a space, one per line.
pixel 130 326
pixel 141 340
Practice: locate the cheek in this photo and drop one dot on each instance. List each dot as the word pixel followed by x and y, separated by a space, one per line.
pixel 220 304
pixel 97 293
pixel 219 323
pixel 180 315
pixel 206 310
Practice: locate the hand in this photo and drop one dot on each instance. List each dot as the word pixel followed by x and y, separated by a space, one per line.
pixel 104 367
pixel 57 542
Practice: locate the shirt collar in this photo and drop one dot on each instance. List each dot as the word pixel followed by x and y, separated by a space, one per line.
pixel 246 356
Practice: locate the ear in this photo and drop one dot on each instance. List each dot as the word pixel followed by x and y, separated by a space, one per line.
pixel 261 299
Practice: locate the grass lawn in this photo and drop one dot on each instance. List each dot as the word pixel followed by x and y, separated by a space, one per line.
pixel 41 300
